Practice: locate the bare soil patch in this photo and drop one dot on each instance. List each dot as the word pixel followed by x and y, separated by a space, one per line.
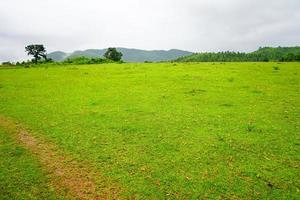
pixel 70 178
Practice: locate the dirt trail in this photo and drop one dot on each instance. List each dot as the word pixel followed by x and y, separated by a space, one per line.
pixel 70 178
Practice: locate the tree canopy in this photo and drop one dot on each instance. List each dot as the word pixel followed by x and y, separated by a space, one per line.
pixel 265 54
pixel 113 54
pixel 38 51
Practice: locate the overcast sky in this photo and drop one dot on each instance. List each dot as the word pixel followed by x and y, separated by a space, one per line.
pixel 194 25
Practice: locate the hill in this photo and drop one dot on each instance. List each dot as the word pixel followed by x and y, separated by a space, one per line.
pixel 262 54
pixel 129 55
pixel 58 55
pixel 284 53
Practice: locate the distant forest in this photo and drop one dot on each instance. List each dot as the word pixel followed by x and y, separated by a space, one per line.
pixel 264 54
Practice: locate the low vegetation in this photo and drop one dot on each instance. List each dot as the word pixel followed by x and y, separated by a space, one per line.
pixel 85 60
pixel 162 130
pixel 21 176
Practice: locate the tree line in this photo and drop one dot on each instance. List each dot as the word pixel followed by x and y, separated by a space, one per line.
pixel 266 54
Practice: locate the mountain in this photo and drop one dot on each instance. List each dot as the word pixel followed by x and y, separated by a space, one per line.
pixel 57 55
pixel 129 55
pixel 262 54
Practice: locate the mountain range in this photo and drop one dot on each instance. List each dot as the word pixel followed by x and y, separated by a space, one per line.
pixel 129 55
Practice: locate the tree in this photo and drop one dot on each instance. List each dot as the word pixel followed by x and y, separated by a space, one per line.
pixel 113 54
pixel 38 51
pixel 7 63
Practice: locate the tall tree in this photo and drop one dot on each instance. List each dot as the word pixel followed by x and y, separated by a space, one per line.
pixel 113 54
pixel 38 51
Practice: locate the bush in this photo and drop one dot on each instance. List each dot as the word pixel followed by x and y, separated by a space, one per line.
pixel 7 64
pixel 84 60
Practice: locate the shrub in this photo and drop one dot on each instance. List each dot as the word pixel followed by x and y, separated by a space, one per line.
pixel 250 127
pixel 7 64
pixel 84 60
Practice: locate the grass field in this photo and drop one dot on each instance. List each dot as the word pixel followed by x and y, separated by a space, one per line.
pixel 165 130
pixel 21 176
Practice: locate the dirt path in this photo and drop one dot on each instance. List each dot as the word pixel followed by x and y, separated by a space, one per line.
pixel 70 178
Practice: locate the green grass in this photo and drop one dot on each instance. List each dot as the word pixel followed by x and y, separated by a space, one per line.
pixel 170 130
pixel 21 176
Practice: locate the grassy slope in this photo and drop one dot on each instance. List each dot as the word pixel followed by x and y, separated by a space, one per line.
pixel 20 174
pixel 170 130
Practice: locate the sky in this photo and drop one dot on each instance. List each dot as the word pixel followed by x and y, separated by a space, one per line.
pixel 193 25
